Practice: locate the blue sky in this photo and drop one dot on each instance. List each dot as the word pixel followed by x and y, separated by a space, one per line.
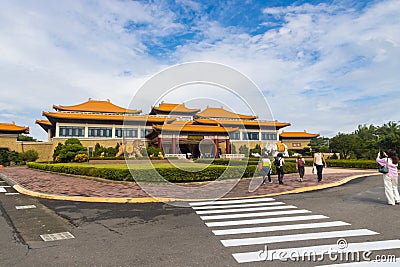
pixel 324 66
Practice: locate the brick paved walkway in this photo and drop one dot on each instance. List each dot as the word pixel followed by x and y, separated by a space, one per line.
pixel 67 185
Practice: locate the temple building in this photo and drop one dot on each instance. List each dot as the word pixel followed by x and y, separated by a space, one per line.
pixel 296 140
pixel 175 128
pixel 9 133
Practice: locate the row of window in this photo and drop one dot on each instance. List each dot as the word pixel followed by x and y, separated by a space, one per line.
pixel 253 136
pixel 101 132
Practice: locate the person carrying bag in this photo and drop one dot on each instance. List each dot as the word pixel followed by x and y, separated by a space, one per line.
pixel 388 167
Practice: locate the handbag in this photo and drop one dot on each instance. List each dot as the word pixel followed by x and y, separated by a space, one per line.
pixel 384 168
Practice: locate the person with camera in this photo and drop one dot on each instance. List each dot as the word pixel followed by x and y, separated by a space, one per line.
pixel 390 175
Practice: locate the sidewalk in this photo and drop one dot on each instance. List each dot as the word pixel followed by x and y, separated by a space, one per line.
pixel 78 188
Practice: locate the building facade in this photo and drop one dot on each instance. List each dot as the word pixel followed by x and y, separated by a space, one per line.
pixel 296 141
pixel 174 128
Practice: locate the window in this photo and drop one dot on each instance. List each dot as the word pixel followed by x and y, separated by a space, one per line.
pixel 268 136
pixel 100 132
pixel 72 131
pixel 234 136
pixel 296 145
pixel 250 136
pixel 126 132
pixel 144 132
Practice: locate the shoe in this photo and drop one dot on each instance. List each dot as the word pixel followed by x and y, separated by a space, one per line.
pixel 280 182
pixel 263 183
pixel 270 182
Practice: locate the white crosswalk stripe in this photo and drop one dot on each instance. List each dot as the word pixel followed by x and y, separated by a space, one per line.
pixel 278 228
pixel 262 204
pixel 256 214
pixel 219 202
pixel 245 209
pixel 265 215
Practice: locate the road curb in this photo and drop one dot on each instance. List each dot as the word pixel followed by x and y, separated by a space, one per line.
pixel 25 191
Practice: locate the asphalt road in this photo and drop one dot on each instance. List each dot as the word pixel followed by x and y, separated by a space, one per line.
pixel 158 234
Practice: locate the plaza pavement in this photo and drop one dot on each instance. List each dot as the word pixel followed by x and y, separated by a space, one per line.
pixel 77 188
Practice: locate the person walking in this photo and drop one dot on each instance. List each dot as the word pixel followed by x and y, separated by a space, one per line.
pixel 390 179
pixel 300 166
pixel 279 162
pixel 266 169
pixel 319 163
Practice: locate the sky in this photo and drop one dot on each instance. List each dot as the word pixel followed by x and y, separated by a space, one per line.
pixel 324 66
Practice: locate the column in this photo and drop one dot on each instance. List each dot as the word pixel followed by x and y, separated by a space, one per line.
pixel 228 146
pixel 173 145
pixel 216 147
pixel 159 142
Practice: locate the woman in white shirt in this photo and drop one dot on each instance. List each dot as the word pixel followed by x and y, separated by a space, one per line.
pixel 319 162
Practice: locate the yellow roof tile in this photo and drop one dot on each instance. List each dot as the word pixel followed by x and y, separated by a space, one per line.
pixel 174 108
pixel 11 127
pixel 96 106
pixel 223 113
pixel 297 135
pixel 106 117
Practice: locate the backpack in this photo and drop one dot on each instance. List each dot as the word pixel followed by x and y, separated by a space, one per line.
pixel 300 163
pixel 277 162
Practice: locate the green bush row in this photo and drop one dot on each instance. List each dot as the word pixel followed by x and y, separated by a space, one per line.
pixel 226 162
pixel 171 174
pixel 360 164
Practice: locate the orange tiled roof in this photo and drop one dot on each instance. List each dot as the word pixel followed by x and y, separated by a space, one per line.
pixel 178 108
pixel 96 106
pixel 223 113
pixel 44 122
pixel 108 117
pixel 194 128
pixel 11 127
pixel 244 122
pixel 297 135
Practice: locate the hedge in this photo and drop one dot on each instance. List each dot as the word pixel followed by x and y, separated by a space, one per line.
pixel 171 174
pixel 360 164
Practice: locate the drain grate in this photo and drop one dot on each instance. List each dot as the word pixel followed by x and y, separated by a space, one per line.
pixel 25 207
pixel 57 236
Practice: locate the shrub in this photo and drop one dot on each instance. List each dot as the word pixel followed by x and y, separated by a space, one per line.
pixel 155 151
pixel 68 151
pixel 15 157
pixel 30 155
pixel 243 149
pixel 107 151
pixel 4 160
pixel 81 158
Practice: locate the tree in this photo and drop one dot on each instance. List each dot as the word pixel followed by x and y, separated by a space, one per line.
pixel 68 151
pixel 345 144
pixel 322 143
pixel 27 138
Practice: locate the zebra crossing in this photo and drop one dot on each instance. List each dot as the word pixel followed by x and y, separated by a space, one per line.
pixel 236 222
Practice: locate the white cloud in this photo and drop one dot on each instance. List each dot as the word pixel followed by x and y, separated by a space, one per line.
pixel 317 69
